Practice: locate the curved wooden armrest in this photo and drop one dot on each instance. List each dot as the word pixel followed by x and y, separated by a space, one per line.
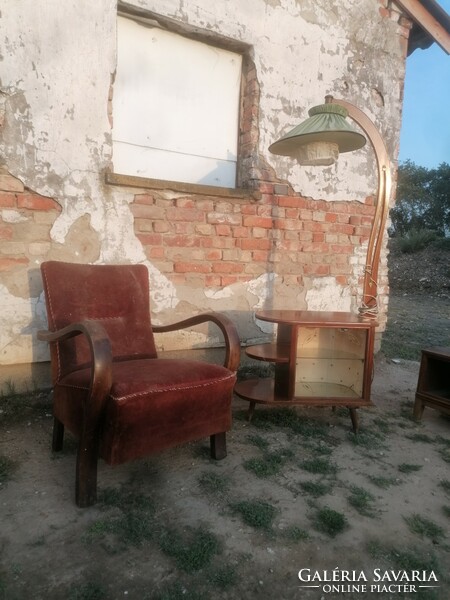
pixel 100 347
pixel 225 324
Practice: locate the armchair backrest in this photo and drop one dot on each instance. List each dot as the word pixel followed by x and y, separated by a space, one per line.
pixel 115 295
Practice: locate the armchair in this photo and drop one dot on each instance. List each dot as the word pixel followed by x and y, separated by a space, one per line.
pixel 111 390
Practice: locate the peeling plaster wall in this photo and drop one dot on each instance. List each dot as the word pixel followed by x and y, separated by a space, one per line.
pixel 58 63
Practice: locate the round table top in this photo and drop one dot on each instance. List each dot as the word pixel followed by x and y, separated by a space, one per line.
pixel 315 317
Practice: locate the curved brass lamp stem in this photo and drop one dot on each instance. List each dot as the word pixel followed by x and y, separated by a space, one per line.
pixel 369 306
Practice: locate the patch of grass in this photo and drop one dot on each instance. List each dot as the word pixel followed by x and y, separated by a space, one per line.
pixel 409 468
pixel 177 591
pixel 294 533
pixel 408 560
pixel 445 485
pixel 7 468
pixel 383 426
pixel 319 465
pixel 87 591
pixel 135 523
pixel 18 407
pixel 383 482
pixel 315 488
pixel 270 464
pixel 224 577
pixel 329 521
pixel 424 527
pixel 444 441
pixel 191 552
pixel 212 483
pixel 445 454
pixel 420 437
pixel 287 418
pixel 362 501
pixel 258 441
pixel 256 513
pixel 369 440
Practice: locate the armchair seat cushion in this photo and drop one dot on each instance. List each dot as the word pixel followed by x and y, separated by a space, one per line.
pixel 153 403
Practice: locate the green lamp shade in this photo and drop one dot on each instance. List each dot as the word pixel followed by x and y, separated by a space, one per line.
pixel 326 125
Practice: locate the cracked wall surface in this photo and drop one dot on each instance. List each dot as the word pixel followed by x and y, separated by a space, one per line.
pixel 291 244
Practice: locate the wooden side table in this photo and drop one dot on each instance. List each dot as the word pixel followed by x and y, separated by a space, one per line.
pixel 433 386
pixel 321 359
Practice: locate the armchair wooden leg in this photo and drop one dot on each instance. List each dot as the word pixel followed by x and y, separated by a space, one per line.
pixel 218 444
pixel 86 476
pixel 58 435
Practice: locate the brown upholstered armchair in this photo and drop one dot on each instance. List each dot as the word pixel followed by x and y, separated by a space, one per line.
pixel 110 389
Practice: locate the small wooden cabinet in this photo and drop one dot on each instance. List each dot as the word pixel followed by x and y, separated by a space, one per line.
pixel 433 386
pixel 320 358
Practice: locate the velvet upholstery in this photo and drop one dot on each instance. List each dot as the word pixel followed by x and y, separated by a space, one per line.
pixel 110 389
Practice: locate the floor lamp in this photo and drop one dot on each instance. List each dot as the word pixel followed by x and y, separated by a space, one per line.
pixel 318 141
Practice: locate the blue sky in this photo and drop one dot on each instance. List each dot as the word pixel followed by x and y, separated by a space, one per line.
pixel 425 135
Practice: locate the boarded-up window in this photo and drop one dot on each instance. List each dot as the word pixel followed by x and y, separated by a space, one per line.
pixel 175 107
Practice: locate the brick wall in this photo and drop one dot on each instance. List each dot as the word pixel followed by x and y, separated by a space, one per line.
pixel 220 242
pixel 25 222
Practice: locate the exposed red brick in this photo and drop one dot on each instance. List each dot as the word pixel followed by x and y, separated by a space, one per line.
pixel 223 229
pixel 7 199
pixel 6 232
pixel 150 239
pixel 144 199
pixel 35 202
pixel 255 244
pixel 227 267
pixel 192 267
pixel 10 263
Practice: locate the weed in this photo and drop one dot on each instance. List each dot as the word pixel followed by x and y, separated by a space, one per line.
pixel 420 437
pixel 370 440
pixel 190 553
pixel 294 533
pixel 223 577
pixel 256 513
pixel 18 407
pixel 408 468
pixel 383 482
pixel 212 483
pixel 270 464
pixel 7 468
pixel 330 521
pixel 258 441
pixel 315 488
pixel 407 560
pixel 362 500
pixel 87 591
pixel 445 454
pixel 424 527
pixel 289 419
pixel 382 425
pixel 319 465
pixel 135 523
pixel 176 591
pixel 442 440
pixel 445 485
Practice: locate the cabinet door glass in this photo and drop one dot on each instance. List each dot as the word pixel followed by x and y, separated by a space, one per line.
pixel 329 362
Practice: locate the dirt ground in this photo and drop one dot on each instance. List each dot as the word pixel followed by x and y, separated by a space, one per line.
pixel 298 490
